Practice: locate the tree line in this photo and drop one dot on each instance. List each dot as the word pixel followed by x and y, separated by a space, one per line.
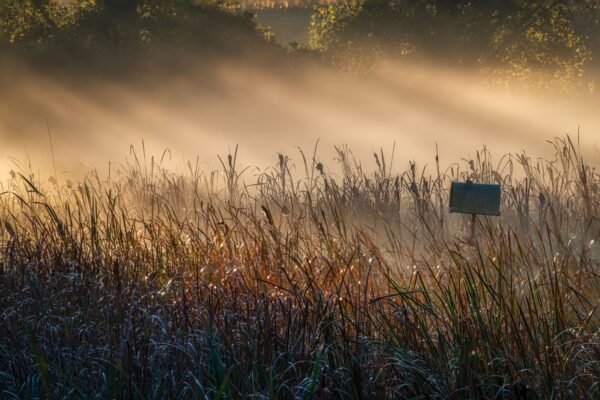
pixel 510 38
pixel 83 28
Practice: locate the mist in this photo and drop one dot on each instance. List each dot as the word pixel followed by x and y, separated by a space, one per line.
pixel 203 111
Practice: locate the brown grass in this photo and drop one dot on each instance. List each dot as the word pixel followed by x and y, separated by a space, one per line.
pixel 306 280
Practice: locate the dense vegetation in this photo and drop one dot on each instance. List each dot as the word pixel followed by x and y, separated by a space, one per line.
pixel 511 39
pixel 310 285
pixel 543 43
pixel 146 30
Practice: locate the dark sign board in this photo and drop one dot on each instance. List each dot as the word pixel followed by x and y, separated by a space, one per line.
pixel 475 198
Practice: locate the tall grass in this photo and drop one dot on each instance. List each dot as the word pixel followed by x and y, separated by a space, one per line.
pixel 309 280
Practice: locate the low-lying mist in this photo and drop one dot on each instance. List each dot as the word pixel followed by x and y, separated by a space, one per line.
pixel 203 111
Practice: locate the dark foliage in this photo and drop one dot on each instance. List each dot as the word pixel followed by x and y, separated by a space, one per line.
pixel 510 38
pixel 109 30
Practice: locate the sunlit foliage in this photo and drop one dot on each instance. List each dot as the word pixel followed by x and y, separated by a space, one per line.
pixel 543 43
pixel 35 25
pixel 126 27
pixel 513 39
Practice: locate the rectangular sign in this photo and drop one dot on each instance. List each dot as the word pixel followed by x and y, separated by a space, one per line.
pixel 475 198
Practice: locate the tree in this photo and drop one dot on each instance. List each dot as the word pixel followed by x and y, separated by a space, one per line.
pixel 512 39
pixel 122 7
pixel 26 22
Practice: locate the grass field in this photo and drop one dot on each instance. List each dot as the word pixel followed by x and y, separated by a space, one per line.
pixel 312 279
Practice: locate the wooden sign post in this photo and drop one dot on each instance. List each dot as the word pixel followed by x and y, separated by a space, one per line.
pixel 475 199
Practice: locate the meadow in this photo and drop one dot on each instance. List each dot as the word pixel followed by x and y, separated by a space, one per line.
pixel 311 279
pixel 335 272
